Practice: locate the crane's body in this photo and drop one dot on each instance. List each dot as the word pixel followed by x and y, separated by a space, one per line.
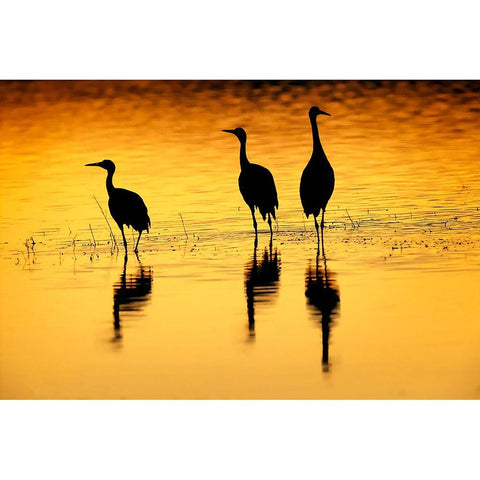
pixel 316 186
pixel 258 189
pixel 256 184
pixel 318 179
pixel 126 207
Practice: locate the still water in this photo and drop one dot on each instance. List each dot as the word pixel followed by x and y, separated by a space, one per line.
pixel 392 312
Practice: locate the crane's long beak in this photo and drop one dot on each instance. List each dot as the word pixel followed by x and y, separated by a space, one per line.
pixel 92 164
pixel 324 113
pixel 229 131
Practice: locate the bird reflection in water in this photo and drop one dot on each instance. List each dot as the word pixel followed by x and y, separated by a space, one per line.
pixel 323 297
pixel 261 281
pixel 130 293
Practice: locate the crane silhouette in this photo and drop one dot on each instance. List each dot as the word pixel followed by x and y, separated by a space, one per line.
pixel 256 184
pixel 318 179
pixel 126 207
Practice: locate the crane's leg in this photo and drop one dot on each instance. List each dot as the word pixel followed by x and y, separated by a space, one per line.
pixel 271 233
pixel 136 246
pixel 322 224
pixel 252 209
pixel 124 239
pixel 318 237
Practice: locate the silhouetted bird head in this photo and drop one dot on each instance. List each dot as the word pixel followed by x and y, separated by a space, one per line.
pixel 108 165
pixel 315 111
pixel 239 132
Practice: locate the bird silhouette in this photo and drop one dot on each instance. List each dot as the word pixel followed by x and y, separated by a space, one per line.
pixel 318 179
pixel 126 207
pixel 256 184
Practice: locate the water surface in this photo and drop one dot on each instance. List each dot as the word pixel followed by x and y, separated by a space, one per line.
pixel 202 313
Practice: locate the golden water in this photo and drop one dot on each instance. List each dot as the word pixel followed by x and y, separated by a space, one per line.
pixel 208 316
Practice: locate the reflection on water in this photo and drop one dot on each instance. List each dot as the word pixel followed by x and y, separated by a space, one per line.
pixel 130 294
pixel 261 281
pixel 323 298
pixel 407 199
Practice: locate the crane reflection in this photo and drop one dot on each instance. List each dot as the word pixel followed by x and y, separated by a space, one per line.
pixel 130 293
pixel 261 281
pixel 323 297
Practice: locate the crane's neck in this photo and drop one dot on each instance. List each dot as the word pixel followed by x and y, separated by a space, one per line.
pixel 110 187
pixel 243 154
pixel 317 146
